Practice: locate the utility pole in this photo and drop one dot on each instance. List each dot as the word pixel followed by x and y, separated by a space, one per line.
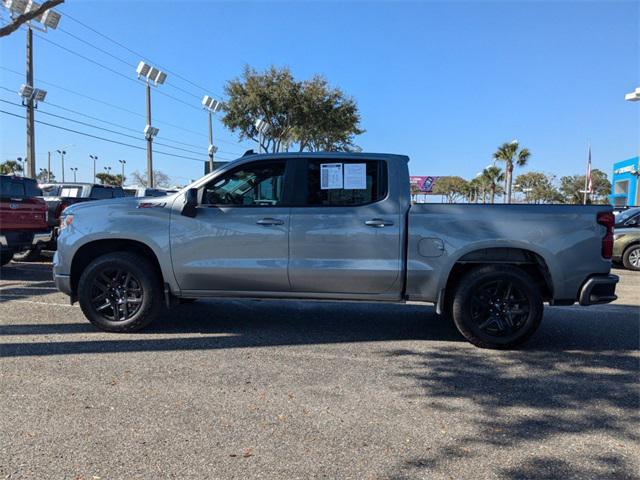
pixel 31 141
pixel 122 162
pixel 49 167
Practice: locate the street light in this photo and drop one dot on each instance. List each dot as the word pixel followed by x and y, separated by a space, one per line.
pixel 74 170
pixel 122 162
pixel 29 94
pixel 150 74
pixel 62 154
pixel 94 158
pixel 262 128
pixel 633 96
pixel 211 106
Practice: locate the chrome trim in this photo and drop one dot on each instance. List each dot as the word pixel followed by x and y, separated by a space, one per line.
pixel 41 238
pixel 3 241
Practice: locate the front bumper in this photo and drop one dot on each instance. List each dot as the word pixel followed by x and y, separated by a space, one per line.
pixel 599 289
pixel 63 283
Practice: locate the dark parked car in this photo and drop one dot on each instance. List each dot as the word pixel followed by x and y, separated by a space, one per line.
pixel 23 217
pixel 628 218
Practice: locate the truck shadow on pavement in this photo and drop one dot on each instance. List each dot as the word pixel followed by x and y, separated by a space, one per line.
pixel 566 406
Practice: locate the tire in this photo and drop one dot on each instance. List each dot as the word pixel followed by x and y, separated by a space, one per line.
pixel 497 306
pixel 5 257
pixel 631 258
pixel 116 276
pixel 30 255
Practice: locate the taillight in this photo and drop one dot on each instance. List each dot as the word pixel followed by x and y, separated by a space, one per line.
pixel 607 219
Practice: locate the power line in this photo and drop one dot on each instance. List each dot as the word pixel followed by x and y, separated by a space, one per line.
pixel 106 139
pixel 144 57
pixel 117 107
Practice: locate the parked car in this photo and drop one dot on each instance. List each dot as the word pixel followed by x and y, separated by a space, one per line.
pixel 333 226
pixel 139 191
pixel 59 196
pixel 628 218
pixel 23 217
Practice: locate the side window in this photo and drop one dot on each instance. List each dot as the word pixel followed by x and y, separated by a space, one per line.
pixel 347 183
pixel 257 184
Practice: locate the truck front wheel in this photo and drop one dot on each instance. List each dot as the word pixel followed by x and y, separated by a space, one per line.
pixel 120 292
pixel 497 306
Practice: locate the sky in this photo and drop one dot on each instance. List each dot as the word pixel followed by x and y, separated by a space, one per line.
pixel 443 82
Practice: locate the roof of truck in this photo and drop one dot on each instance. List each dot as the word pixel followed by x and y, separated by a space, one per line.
pixel 336 155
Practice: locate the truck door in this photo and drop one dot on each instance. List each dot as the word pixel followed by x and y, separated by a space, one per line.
pixel 239 239
pixel 345 229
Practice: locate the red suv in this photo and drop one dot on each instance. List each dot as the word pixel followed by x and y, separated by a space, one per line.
pixel 23 216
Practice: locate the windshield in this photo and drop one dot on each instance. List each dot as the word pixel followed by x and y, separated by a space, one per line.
pixel 626 215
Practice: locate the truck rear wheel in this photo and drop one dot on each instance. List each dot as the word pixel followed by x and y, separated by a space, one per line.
pixel 497 306
pixel 120 292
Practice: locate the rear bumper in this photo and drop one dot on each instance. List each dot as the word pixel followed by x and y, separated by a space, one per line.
pixel 17 241
pixel 598 289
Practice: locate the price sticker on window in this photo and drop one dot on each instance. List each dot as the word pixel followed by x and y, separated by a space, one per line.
pixel 330 176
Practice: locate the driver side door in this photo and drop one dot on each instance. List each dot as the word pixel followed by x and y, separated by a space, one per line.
pixel 239 239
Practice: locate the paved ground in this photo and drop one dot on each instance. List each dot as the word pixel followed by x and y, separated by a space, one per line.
pixel 247 389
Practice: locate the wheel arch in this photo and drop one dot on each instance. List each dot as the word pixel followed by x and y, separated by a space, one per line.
pixel 528 260
pixel 96 248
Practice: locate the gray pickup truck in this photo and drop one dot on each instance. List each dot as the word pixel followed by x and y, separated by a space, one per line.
pixel 333 226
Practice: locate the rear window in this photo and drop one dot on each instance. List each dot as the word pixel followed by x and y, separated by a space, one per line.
pixel 345 183
pixel 19 187
pixel 100 193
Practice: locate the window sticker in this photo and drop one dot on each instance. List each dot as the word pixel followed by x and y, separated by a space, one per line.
pixel 330 176
pixel 355 176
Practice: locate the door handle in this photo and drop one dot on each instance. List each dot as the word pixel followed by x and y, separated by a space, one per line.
pixel 378 222
pixel 270 221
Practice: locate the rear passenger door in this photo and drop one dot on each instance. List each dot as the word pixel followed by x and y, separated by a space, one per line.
pixel 345 229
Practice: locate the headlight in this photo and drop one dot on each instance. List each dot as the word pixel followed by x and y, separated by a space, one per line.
pixel 616 236
pixel 65 221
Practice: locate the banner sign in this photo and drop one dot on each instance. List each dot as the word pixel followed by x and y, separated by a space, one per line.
pixel 424 184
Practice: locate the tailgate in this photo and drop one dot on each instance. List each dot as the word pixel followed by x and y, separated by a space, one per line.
pixel 25 214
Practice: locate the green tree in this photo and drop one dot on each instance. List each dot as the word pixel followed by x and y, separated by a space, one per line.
pixel 452 188
pixel 310 114
pixel 492 177
pixel 45 176
pixel 109 179
pixel 10 167
pixel 572 187
pixel 160 179
pixel 537 187
pixel 511 154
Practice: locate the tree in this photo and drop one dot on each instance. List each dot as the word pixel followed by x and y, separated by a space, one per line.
pixel 492 177
pixel 537 187
pixel 160 179
pixel 511 154
pixel 109 179
pixel 308 113
pixel 572 187
pixel 452 188
pixel 10 167
pixel 17 22
pixel 415 191
pixel 45 176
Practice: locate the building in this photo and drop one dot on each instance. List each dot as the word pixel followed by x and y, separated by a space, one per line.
pixel 625 189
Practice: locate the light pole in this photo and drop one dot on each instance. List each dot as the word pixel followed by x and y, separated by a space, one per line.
pixel 94 158
pixel 49 167
pixel 211 106
pixel 150 75
pixel 62 154
pixel 262 128
pixel 74 170
pixel 122 162
pixel 31 96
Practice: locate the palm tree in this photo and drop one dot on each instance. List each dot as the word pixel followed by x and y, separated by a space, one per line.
pixel 511 154
pixel 10 167
pixel 492 177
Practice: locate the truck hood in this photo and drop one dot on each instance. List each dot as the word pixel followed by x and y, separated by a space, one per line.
pixel 131 202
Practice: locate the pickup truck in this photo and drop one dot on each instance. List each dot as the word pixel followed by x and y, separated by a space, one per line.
pixel 333 226
pixel 23 217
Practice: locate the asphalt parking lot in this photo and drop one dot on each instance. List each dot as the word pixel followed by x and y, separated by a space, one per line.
pixel 267 389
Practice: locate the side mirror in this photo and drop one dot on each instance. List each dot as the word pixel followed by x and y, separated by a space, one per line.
pixel 189 209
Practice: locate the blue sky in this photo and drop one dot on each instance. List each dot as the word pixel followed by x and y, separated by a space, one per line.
pixel 444 82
